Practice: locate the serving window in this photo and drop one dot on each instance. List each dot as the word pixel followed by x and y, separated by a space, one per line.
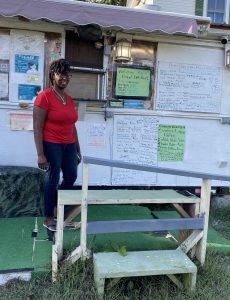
pixel 87 68
pixel 85 85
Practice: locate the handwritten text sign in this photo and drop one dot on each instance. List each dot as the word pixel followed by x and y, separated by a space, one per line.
pixel 188 87
pixel 171 142
pixel 131 82
pixel 134 141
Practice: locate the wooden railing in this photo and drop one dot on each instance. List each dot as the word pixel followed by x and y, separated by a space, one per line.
pixel 194 211
pixel 124 165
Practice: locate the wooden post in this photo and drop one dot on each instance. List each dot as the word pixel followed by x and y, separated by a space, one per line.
pixel 189 281
pixel 59 233
pixel 84 206
pixel 54 263
pixel 204 209
pixel 191 241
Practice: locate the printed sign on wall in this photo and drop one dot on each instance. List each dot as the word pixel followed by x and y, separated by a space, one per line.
pixel 19 121
pixel 28 91
pixel 26 70
pixel 26 64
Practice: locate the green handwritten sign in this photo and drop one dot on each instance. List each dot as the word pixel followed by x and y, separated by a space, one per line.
pixel 132 82
pixel 171 143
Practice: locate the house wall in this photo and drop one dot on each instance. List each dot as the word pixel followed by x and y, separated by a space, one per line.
pixel 199 7
pixel 177 6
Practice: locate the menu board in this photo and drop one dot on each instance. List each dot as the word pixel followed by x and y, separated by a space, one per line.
pixel 132 82
pixel 188 87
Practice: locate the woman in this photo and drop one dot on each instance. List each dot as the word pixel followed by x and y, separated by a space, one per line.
pixel 56 137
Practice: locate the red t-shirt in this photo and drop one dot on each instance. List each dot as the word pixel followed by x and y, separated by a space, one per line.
pixel 58 127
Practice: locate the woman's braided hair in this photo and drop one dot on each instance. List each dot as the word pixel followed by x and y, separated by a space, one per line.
pixel 60 66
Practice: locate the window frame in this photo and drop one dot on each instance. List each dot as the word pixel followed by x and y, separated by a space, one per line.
pixel 225 11
pixel 101 73
pixel 74 44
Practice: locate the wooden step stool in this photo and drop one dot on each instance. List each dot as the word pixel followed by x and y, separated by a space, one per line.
pixel 144 263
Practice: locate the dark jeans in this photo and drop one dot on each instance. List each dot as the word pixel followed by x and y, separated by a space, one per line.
pixel 61 157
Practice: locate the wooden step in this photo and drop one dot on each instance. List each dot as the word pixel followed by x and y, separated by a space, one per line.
pixel 113 196
pixel 143 263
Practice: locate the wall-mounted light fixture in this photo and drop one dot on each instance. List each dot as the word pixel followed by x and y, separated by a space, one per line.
pixel 227 58
pixel 123 50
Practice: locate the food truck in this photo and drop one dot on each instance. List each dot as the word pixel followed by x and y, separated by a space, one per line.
pixel 151 87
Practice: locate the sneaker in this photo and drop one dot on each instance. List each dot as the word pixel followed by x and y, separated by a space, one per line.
pixel 50 227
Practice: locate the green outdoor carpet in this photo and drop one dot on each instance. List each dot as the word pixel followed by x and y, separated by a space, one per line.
pixel 216 241
pixel 16 245
pixel 132 241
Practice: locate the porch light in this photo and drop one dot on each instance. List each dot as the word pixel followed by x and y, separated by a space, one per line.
pixel 228 58
pixel 123 50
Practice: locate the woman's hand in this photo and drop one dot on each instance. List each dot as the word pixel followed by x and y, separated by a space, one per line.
pixel 79 158
pixel 42 162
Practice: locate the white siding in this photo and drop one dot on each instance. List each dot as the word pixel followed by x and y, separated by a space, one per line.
pixel 177 6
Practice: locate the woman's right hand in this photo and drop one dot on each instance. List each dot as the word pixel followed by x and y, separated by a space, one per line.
pixel 42 162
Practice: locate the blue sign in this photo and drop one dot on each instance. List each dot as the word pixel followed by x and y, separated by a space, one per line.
pixel 134 103
pixel 26 64
pixel 28 91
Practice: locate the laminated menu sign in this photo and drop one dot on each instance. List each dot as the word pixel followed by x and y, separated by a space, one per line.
pixel 171 142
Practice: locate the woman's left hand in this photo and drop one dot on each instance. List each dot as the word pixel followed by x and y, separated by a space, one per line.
pixel 79 157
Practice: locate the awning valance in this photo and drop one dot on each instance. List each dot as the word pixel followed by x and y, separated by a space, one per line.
pixel 106 16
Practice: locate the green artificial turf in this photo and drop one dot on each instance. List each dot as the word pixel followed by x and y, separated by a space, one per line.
pixel 132 241
pixel 215 242
pixel 16 245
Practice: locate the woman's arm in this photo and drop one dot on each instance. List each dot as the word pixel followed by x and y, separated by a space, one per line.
pixel 39 117
pixel 77 143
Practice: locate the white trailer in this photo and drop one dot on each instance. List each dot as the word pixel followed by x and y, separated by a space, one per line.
pixel 184 121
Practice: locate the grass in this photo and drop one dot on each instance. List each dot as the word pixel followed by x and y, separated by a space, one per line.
pixel 220 220
pixel 76 282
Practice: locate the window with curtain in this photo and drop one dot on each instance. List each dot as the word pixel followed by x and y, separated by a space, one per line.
pixel 216 10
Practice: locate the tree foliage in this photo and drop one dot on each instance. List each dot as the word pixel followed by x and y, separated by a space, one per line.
pixel 110 2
